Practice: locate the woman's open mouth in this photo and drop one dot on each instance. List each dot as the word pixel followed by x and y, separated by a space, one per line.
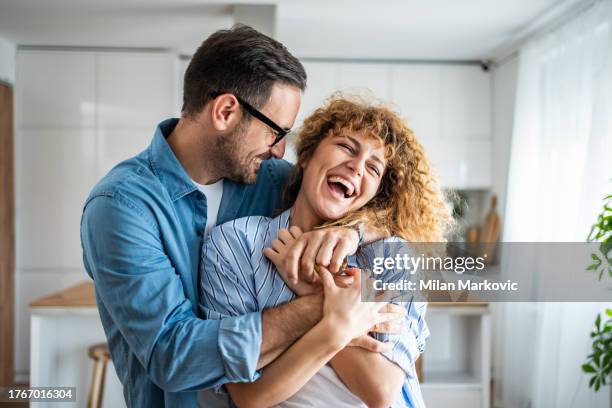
pixel 341 187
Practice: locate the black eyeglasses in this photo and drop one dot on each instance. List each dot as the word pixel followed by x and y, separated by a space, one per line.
pixel 280 132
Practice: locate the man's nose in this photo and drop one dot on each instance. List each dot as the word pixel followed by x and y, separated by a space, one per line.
pixel 278 150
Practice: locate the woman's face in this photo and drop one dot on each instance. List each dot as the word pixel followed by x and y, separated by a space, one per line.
pixel 343 174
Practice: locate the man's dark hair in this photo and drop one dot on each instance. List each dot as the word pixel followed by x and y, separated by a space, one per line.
pixel 241 61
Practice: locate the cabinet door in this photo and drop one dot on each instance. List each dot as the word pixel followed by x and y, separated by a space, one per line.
pixel 135 90
pixel 461 164
pixel 415 91
pixel 55 169
pixel 365 79
pixel 465 102
pixel 322 82
pixel 55 89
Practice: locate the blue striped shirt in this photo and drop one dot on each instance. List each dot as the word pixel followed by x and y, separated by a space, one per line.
pixel 236 279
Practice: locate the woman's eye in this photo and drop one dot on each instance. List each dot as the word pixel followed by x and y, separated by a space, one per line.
pixel 375 170
pixel 347 147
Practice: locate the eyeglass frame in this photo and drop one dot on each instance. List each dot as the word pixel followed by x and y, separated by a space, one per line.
pixel 280 132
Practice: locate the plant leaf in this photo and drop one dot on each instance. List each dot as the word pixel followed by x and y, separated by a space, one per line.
pixel 598 323
pixel 587 368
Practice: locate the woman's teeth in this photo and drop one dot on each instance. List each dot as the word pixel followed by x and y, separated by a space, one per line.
pixel 346 185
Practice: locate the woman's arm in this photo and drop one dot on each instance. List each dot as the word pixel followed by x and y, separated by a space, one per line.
pixel 291 371
pixel 344 317
pixel 372 377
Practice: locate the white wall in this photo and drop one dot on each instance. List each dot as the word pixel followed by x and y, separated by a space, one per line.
pixel 77 114
pixel 504 80
pixel 504 91
pixel 7 61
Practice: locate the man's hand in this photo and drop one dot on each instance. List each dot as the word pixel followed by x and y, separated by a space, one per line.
pixel 294 251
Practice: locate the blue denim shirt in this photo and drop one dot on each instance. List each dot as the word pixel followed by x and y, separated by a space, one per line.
pixel 141 232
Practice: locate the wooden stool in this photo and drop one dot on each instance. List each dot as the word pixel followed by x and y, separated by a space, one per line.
pixel 100 355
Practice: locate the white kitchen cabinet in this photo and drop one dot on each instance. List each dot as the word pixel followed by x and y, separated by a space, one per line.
pixel 78 113
pixel 367 79
pixel 460 164
pixel 322 82
pixel 465 102
pixel 135 89
pixel 55 89
pixel 447 106
pixel 55 169
pixel 457 359
pixel 415 90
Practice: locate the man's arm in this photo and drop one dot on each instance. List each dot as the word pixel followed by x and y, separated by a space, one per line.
pixel 284 324
pixel 145 297
pixel 227 288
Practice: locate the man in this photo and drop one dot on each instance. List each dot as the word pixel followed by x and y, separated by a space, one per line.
pixel 144 222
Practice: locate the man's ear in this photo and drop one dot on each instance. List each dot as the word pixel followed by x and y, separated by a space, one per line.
pixel 225 112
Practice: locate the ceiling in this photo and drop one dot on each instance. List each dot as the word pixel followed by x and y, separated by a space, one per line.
pixel 357 29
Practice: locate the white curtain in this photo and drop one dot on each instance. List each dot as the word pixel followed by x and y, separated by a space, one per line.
pixel 560 167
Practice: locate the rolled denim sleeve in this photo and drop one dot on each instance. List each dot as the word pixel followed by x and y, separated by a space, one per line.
pixel 145 298
pixel 226 285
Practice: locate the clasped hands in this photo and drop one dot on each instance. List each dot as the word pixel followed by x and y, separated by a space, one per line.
pixel 300 258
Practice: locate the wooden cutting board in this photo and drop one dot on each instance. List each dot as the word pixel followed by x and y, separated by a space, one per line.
pixel 492 224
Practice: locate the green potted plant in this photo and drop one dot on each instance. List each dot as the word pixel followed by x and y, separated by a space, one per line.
pixel 599 362
pixel 601 232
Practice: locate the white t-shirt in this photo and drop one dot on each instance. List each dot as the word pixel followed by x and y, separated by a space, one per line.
pixel 324 389
pixel 213 193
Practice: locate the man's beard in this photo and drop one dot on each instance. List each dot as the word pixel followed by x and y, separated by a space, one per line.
pixel 236 165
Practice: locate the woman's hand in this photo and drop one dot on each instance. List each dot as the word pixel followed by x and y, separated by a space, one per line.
pixel 300 252
pixel 346 313
pixel 277 254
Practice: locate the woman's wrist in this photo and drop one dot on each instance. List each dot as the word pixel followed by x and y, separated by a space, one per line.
pixel 333 332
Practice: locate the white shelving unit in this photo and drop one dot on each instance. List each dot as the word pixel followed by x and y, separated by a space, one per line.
pixel 457 360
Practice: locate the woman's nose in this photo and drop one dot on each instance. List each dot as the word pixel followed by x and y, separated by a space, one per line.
pixel 356 166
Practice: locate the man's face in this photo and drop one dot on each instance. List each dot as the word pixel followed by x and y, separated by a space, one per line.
pixel 249 143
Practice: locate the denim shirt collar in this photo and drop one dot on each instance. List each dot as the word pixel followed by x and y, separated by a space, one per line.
pixel 165 164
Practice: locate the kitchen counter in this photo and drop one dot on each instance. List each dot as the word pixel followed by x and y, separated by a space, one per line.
pixel 63 326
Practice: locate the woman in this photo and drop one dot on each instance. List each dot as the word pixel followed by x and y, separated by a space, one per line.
pixel 356 163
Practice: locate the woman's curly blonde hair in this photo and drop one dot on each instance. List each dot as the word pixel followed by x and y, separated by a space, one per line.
pixel 409 202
